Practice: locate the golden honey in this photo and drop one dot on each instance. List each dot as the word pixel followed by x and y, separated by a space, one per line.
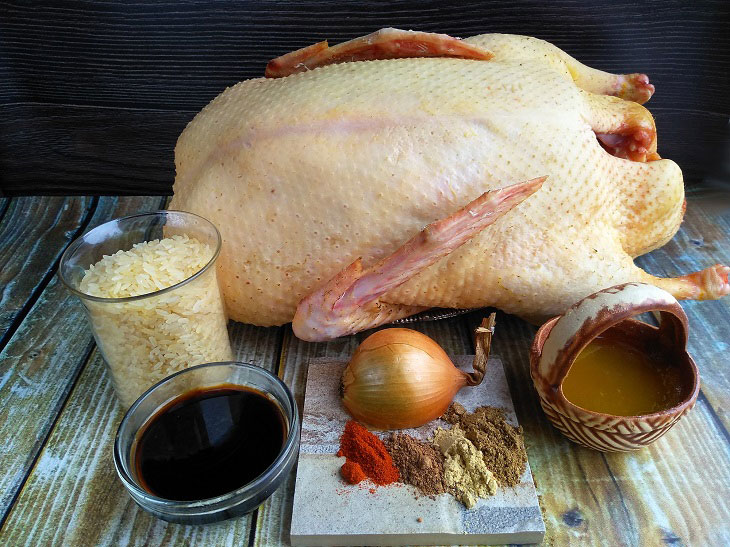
pixel 616 378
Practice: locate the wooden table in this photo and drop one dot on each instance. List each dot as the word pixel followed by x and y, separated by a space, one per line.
pixel 58 415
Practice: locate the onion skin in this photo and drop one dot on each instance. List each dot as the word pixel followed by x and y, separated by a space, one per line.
pixel 399 378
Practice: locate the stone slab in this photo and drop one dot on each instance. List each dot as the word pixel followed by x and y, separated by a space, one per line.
pixel 327 511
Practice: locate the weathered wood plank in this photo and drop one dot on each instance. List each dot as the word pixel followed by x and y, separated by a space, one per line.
pixel 73 496
pixel 42 360
pixel 666 493
pixel 703 240
pixel 274 516
pixel 674 489
pixel 34 233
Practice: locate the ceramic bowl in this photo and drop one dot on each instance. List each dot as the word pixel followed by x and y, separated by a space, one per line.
pixel 609 312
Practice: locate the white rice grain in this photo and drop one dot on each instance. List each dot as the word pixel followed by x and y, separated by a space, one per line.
pixel 145 340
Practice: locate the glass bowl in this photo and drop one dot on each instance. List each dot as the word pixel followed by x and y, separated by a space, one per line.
pixel 232 504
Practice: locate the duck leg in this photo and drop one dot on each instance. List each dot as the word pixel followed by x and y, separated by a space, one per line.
pixel 631 87
pixel 349 302
pixel 708 284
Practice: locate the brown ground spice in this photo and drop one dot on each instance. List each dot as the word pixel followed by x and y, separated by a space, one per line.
pixel 501 443
pixel 419 463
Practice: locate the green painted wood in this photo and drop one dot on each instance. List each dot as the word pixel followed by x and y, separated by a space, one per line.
pixel 273 517
pixel 42 360
pixel 38 368
pixel 73 495
pixel 34 232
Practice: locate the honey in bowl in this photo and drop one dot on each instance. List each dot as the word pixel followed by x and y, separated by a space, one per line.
pixel 614 377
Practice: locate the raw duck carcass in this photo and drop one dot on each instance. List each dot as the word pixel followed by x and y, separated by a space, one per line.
pixel 322 178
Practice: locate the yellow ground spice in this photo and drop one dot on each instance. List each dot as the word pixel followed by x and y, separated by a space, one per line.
pixel 464 471
pixel 501 444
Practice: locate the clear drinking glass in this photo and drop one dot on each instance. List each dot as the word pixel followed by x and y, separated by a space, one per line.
pixel 145 338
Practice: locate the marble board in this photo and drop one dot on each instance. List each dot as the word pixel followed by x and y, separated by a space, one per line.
pixel 328 511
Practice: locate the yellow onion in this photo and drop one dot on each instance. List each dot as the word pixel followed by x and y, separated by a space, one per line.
pixel 399 378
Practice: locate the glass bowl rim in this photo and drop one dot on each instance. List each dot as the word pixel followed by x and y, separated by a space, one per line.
pixel 161 212
pixel 256 485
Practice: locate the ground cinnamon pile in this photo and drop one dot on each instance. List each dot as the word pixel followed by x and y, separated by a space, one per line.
pixel 366 456
pixel 420 463
pixel 501 443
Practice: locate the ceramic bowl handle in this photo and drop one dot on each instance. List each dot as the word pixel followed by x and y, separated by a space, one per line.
pixel 598 312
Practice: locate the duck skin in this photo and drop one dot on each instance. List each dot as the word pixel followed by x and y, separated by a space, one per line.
pixel 537 180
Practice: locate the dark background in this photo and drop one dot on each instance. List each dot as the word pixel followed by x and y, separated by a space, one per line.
pixel 94 94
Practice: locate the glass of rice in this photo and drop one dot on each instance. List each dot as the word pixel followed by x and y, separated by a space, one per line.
pixel 149 286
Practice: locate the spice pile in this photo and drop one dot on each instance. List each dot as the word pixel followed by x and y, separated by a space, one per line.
pixel 419 463
pixel 465 474
pixel 501 444
pixel 478 454
pixel 366 457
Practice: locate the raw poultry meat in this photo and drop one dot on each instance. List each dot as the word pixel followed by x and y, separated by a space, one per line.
pixel 322 181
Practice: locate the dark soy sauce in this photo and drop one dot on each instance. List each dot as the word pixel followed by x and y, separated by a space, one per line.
pixel 208 442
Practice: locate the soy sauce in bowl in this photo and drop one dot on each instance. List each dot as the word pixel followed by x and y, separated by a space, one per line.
pixel 208 442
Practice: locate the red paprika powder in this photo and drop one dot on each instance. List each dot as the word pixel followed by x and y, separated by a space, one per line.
pixel 352 472
pixel 361 447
